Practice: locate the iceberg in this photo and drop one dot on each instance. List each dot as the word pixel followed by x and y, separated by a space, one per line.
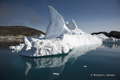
pixel 107 40
pixel 60 38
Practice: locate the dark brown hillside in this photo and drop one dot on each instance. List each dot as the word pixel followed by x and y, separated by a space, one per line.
pixel 115 34
pixel 19 30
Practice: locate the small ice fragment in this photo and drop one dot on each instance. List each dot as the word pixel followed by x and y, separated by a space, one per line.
pixel 85 66
pixel 56 74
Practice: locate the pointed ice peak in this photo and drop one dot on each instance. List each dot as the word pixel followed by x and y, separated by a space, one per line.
pixel 72 25
pixel 56 25
pixel 27 43
pixel 53 13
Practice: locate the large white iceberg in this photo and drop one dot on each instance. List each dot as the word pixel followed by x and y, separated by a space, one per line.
pixel 59 39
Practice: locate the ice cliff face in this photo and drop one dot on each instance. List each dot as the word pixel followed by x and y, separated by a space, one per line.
pixel 59 39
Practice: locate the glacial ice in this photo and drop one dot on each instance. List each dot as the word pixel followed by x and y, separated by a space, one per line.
pixel 107 40
pixel 59 39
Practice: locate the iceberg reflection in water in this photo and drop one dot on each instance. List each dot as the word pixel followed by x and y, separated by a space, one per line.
pixel 111 45
pixel 55 64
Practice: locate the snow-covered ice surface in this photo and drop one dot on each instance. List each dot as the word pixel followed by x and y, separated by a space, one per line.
pixel 59 39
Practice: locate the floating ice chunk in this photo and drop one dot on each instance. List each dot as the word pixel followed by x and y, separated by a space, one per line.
pixel 56 74
pixel 85 66
pixel 16 48
pixel 106 39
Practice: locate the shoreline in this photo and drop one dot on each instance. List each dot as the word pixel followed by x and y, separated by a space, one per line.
pixel 6 45
pixel 10 38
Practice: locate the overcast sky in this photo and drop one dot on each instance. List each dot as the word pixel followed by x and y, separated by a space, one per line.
pixel 90 15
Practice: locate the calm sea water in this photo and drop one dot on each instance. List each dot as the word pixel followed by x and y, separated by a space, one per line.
pixel 83 63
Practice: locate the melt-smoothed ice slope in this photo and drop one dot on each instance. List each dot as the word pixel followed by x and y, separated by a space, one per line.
pixel 56 25
pixel 59 39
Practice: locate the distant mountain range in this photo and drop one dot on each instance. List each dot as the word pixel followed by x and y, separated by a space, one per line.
pixel 19 30
pixel 115 34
